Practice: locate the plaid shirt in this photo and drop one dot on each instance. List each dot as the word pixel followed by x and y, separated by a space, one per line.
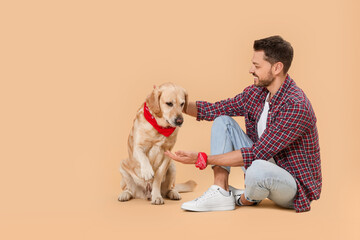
pixel 290 137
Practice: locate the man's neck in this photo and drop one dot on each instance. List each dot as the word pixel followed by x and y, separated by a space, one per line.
pixel 275 85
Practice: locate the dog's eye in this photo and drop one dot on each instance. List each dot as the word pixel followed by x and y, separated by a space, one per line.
pixel 170 104
pixel 182 104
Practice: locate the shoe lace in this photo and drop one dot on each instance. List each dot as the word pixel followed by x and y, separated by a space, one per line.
pixel 206 195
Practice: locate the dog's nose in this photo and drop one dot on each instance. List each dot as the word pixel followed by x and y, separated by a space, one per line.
pixel 179 121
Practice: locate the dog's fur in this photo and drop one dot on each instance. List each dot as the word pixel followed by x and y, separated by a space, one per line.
pixel 148 173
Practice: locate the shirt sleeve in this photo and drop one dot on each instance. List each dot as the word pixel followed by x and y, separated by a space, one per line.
pixel 291 124
pixel 229 107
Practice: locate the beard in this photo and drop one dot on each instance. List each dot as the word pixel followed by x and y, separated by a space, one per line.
pixel 264 82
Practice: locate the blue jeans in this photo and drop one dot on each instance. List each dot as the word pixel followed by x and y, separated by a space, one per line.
pixel 263 179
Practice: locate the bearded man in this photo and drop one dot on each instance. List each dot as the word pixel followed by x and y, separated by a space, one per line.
pixel 279 153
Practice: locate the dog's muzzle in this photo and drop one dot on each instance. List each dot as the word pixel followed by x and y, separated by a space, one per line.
pixel 179 121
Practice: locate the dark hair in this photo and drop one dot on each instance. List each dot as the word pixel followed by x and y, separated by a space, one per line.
pixel 276 49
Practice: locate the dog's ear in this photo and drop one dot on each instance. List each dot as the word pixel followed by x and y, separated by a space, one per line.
pixel 153 102
pixel 186 101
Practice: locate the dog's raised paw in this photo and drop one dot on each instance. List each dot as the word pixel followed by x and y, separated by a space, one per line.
pixel 157 201
pixel 147 173
pixel 173 195
pixel 125 196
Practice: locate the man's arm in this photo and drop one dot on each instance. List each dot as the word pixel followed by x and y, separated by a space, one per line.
pixel 236 106
pixel 231 159
pixel 230 107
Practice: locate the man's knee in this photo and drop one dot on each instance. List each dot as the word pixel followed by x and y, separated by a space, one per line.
pixel 258 164
pixel 222 120
pixel 257 170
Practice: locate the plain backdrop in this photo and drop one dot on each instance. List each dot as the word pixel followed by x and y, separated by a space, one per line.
pixel 73 74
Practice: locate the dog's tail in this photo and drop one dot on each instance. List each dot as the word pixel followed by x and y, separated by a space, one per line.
pixel 188 186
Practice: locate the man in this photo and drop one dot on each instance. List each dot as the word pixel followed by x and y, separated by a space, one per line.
pixel 280 150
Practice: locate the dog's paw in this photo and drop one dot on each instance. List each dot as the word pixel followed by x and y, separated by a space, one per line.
pixel 125 196
pixel 147 173
pixel 173 195
pixel 157 201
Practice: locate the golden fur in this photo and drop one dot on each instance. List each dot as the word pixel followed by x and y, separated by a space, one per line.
pixel 148 173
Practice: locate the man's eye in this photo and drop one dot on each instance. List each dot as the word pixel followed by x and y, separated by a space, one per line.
pixel 170 104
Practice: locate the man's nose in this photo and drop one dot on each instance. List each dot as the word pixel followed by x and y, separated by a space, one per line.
pixel 179 121
pixel 251 70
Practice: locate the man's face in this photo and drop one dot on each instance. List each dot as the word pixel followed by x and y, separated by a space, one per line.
pixel 261 70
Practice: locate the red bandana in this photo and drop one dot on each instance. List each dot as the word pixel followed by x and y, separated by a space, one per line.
pixel 150 118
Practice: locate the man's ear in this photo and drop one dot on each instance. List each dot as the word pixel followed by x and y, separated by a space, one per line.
pixel 277 68
pixel 153 102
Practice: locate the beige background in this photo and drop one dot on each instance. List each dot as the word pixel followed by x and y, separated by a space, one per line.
pixel 73 74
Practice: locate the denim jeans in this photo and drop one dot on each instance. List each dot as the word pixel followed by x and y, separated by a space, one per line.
pixel 263 179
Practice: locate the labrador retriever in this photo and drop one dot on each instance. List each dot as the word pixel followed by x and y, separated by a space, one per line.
pixel 147 173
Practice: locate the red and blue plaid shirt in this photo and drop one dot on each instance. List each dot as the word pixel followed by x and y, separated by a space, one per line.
pixel 290 137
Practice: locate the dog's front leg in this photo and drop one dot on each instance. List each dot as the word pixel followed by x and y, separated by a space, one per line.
pixel 146 170
pixel 156 197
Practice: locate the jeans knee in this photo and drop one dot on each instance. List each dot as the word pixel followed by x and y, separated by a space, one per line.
pixel 222 121
pixel 257 164
pixel 256 171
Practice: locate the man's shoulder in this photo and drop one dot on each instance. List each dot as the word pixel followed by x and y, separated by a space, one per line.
pixel 296 97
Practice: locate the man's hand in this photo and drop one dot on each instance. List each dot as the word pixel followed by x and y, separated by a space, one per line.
pixel 185 157
pixel 191 109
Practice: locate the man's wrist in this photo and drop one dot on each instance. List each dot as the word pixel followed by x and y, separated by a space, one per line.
pixel 201 162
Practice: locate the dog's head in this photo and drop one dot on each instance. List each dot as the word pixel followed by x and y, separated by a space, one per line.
pixel 167 102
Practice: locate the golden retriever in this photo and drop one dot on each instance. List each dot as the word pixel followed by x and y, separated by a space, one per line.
pixel 148 173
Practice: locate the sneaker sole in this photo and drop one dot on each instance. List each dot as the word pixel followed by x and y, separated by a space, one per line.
pixel 196 209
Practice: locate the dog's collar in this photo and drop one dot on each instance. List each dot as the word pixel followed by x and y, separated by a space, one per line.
pixel 150 118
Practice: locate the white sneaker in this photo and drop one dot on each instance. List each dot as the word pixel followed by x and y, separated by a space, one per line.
pixel 211 200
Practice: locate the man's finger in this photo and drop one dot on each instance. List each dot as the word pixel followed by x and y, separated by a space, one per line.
pixel 181 153
pixel 171 155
